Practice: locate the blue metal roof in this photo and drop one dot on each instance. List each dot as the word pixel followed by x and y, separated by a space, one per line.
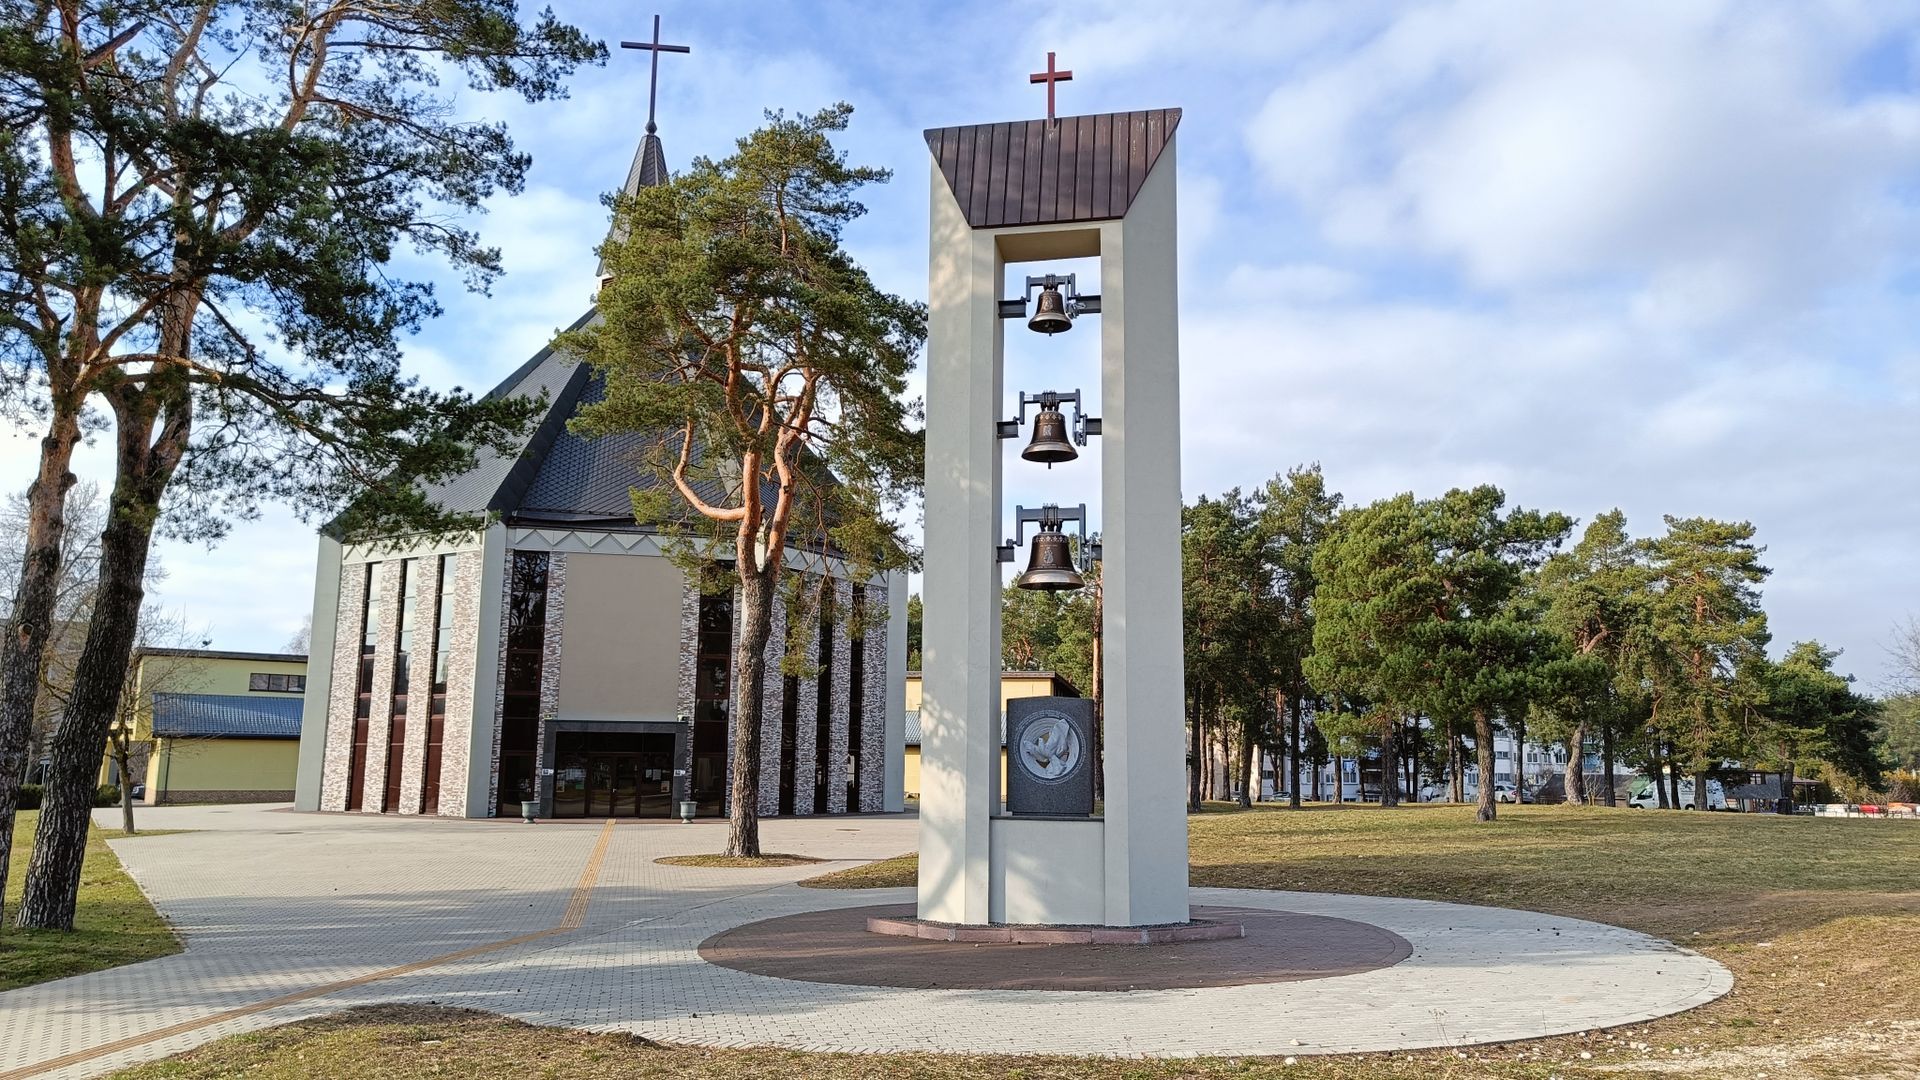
pixel 256 716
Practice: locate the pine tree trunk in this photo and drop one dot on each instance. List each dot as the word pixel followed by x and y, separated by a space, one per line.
pixel 750 679
pixel 23 653
pixel 122 758
pixel 1249 775
pixel 60 841
pixel 1700 790
pixel 1413 761
pixel 1577 765
pixel 1389 763
pixel 1339 779
pixel 1293 751
pixel 1673 778
pixel 1656 772
pixel 1483 750
pixel 1457 758
pixel 1607 797
pixel 1196 753
pixel 1519 759
pixel 1786 779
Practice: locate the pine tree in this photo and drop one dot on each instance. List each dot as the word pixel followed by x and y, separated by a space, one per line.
pixel 200 203
pixel 1594 600
pixel 1296 514
pixel 1705 625
pixel 769 373
pixel 1811 711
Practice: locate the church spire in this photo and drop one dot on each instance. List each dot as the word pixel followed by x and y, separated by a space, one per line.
pixel 649 168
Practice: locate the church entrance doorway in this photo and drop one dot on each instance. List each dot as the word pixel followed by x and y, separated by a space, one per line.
pixel 613 774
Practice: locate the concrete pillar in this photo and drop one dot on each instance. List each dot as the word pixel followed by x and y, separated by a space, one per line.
pixel 1146 835
pixel 478 782
pixel 960 648
pixel 313 707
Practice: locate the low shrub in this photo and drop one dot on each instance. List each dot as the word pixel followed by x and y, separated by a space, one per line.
pixel 107 795
pixel 28 797
pixel 1903 786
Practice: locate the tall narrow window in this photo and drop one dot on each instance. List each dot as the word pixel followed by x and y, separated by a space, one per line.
pixel 363 699
pixel 712 700
pixel 823 691
pixel 856 695
pixel 526 654
pixel 437 705
pixel 789 742
pixel 402 679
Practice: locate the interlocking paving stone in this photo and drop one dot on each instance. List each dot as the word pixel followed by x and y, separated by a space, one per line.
pixel 272 903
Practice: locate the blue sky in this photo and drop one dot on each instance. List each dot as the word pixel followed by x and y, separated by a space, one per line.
pixel 1640 254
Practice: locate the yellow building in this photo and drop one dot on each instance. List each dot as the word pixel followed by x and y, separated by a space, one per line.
pixel 211 726
pixel 1013 684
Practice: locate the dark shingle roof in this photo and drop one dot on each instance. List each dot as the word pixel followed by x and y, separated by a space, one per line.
pixel 557 475
pixel 253 716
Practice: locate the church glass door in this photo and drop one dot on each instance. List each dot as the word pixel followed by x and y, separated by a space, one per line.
pixel 613 774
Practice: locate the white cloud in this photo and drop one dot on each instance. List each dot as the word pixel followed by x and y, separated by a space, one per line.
pixel 1708 149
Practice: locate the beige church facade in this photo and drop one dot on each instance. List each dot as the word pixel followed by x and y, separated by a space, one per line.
pixel 558 657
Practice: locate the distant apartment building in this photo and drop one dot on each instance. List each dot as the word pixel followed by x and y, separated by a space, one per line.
pixel 210 726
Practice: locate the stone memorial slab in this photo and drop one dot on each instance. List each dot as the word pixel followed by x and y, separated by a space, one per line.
pixel 1050 751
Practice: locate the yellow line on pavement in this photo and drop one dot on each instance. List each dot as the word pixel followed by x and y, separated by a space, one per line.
pixel 571 919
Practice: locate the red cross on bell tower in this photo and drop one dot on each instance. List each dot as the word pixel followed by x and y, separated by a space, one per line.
pixel 1050 77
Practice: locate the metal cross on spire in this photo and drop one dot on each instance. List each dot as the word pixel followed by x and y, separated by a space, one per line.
pixel 653 80
pixel 1050 77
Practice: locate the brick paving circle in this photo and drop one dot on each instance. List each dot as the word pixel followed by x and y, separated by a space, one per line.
pixel 834 946
pixel 373 909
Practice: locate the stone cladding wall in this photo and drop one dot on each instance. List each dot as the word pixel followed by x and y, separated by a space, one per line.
pixel 373 787
pixel 413 758
pixel 556 622
pixel 689 667
pixel 806 721
pixel 462 666
pixel 840 696
pixel 336 764
pixel 873 706
pixel 772 701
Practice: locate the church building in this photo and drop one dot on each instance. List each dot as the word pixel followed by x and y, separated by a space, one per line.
pixel 559 657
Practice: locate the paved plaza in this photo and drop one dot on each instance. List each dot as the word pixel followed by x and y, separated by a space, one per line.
pixel 287 916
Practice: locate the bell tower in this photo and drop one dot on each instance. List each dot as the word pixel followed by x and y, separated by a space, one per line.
pixel 1033 193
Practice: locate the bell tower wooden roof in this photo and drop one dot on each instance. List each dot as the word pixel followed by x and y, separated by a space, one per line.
pixel 1046 172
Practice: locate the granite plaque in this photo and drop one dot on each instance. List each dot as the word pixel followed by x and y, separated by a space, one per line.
pixel 1050 756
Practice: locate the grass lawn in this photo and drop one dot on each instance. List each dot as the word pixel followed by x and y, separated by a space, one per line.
pixel 1819 920
pixel 113 925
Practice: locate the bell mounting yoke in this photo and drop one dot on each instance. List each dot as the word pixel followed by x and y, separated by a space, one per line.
pixel 1050 517
pixel 1049 401
pixel 1076 304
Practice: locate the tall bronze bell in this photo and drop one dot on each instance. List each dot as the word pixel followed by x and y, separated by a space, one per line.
pixel 1050 313
pixel 1052 441
pixel 1050 566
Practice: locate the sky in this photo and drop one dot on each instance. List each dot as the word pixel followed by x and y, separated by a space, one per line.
pixel 1642 255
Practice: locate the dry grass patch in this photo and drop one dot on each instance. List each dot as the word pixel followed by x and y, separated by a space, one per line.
pixel 113 924
pixel 897 872
pixel 738 862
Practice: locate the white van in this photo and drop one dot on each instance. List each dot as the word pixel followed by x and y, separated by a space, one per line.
pixel 1646 798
